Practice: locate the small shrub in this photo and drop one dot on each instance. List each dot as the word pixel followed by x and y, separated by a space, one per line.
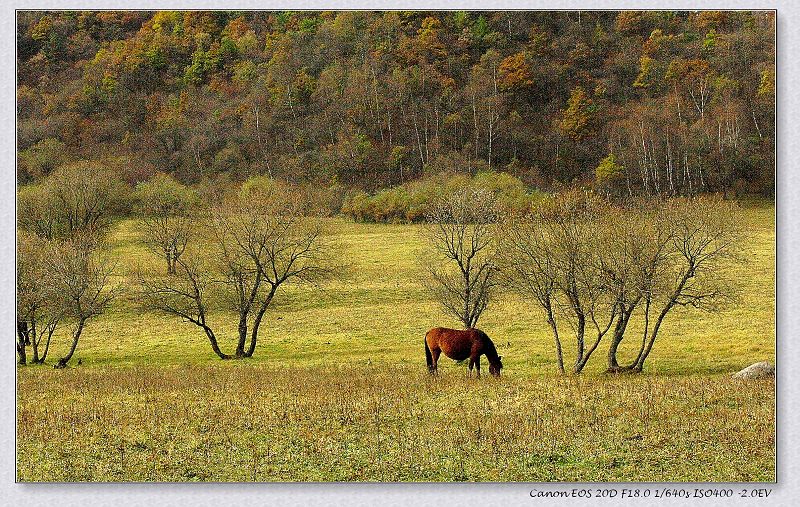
pixel 412 201
pixel 355 206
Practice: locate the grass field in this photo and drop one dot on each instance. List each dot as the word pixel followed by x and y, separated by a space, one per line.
pixel 338 390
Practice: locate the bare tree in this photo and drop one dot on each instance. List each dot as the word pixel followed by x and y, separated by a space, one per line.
pixel 594 265
pixel 550 257
pixel 80 278
pixel 528 267
pixel 461 271
pixel 636 245
pixel 39 307
pixel 61 274
pixel 165 208
pixel 253 248
pixel 704 239
pixel 182 294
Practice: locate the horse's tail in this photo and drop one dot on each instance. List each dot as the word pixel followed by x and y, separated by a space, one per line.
pixel 428 356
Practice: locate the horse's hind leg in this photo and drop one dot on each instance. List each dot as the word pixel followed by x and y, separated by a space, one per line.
pixel 435 356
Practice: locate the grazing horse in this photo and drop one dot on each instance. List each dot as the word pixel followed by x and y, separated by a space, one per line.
pixel 461 344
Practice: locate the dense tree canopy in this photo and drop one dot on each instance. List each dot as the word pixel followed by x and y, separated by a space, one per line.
pixel 684 101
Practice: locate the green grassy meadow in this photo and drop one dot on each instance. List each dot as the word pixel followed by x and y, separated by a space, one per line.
pixel 338 388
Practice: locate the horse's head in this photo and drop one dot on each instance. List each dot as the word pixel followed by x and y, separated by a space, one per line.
pixel 496 366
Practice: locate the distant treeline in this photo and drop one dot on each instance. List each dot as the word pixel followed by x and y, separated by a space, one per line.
pixel 87 195
pixel 634 102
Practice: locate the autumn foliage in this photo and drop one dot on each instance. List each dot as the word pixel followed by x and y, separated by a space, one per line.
pixel 373 99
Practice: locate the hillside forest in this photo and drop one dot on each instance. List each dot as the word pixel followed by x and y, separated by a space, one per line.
pixel 632 102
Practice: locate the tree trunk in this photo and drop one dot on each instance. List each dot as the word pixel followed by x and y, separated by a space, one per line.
pixel 35 347
pixel 62 363
pixel 579 334
pixel 644 336
pixel 475 121
pixel 50 332
pixel 34 341
pixel 253 338
pixel 242 336
pixel 613 364
pixel 257 322
pixel 579 366
pixel 619 334
pixel 638 366
pixel 419 141
pixel 214 345
pixel 616 339
pixel 756 123
pixel 559 354
pixel 172 260
pixel 21 338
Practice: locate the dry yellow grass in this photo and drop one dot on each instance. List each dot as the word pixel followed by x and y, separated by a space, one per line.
pixel 337 389
pixel 382 423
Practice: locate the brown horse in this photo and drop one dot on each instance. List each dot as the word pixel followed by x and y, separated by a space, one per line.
pixel 459 345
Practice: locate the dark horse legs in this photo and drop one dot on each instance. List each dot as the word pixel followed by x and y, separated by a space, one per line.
pixel 435 354
pixel 475 361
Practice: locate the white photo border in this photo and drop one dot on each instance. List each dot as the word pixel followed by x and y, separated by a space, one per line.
pixel 388 494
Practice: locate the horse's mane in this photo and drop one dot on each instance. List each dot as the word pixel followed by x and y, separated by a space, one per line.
pixel 491 351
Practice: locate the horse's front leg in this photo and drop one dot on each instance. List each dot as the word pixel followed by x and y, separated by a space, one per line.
pixel 471 364
pixel 477 362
